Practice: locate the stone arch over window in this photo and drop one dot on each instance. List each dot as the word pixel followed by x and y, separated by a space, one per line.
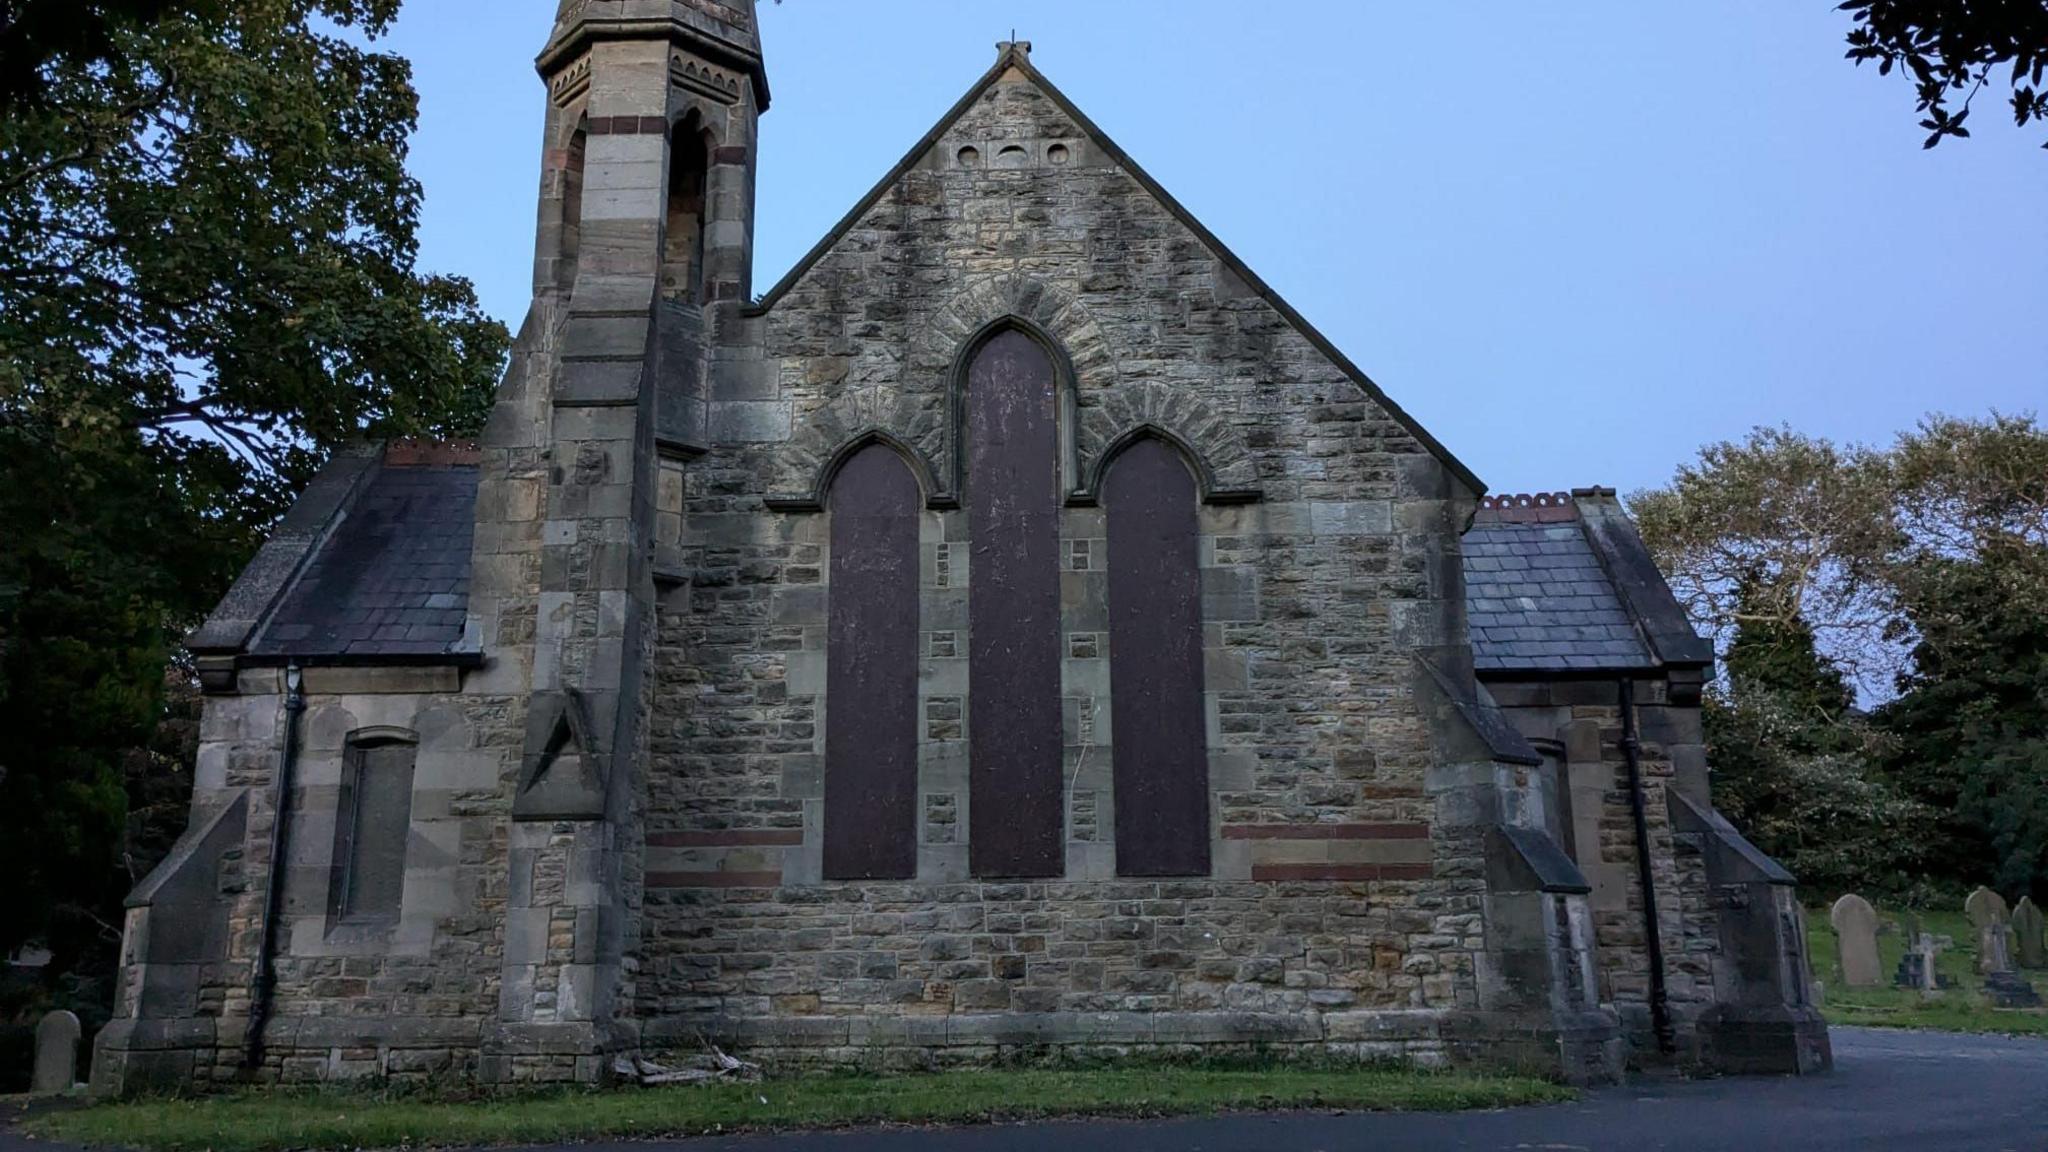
pixel 1213 446
pixel 689 199
pixel 372 826
pixel 871 687
pixel 959 400
pixel 1052 315
pixel 1159 725
pixel 928 419
pixel 829 435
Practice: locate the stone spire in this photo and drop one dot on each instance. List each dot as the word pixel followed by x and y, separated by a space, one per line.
pixel 723 32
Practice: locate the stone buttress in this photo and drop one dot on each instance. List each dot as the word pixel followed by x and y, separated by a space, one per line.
pixel 645 251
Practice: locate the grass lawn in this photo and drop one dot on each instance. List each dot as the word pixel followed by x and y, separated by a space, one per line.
pixel 1962 1009
pixel 266 1122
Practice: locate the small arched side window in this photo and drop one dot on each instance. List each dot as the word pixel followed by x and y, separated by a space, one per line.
pixel 372 826
pixel 682 266
pixel 576 159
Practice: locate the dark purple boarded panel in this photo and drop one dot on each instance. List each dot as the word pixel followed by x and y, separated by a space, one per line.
pixel 375 824
pixel 1017 827
pixel 1159 737
pixel 871 671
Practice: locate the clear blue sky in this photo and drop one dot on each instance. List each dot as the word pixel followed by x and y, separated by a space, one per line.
pixel 1576 239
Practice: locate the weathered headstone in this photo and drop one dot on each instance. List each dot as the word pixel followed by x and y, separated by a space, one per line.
pixel 2002 986
pixel 56 1053
pixel 1987 912
pixel 1855 924
pixel 2027 927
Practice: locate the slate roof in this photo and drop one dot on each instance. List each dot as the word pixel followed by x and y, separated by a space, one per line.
pixel 392 576
pixel 1537 597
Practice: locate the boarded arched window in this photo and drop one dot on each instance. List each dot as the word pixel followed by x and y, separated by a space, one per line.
pixel 1016 815
pixel 372 825
pixel 682 265
pixel 1158 728
pixel 871 670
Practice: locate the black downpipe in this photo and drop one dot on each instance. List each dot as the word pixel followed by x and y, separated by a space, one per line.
pixel 1632 752
pixel 264 979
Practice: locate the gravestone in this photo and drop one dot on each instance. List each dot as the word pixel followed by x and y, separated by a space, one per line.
pixel 2027 927
pixel 2009 990
pixel 2002 986
pixel 1987 913
pixel 1855 924
pixel 1916 968
pixel 56 1053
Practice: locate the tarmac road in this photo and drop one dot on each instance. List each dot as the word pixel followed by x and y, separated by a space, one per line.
pixel 1917 1091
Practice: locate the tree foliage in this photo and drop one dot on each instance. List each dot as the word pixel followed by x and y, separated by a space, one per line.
pixel 1952 47
pixel 1779 530
pixel 1934 552
pixel 1971 716
pixel 210 282
pixel 35 34
pixel 1793 760
pixel 211 239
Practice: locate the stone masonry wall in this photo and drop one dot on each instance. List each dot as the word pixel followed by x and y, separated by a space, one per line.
pixel 421 996
pixel 409 997
pixel 1330 895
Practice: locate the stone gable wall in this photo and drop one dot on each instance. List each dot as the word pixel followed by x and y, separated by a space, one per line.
pixel 1330 893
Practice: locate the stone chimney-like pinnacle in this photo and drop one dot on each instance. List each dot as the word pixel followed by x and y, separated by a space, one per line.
pixel 723 31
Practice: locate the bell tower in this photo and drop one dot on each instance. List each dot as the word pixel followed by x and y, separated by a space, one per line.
pixel 644 253
pixel 652 112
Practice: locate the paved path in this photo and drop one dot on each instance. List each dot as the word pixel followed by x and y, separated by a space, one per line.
pixel 1917 1091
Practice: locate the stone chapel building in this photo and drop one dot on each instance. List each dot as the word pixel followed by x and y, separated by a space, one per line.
pixel 1017 629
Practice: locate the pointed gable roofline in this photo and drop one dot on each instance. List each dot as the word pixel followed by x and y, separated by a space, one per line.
pixel 1018 56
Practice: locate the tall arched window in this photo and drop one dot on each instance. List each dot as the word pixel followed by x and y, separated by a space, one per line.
pixel 682 266
pixel 1158 728
pixel 1016 811
pixel 871 670
pixel 574 161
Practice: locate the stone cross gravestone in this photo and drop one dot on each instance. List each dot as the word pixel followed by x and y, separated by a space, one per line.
pixel 1855 924
pixel 1916 968
pixel 1987 914
pixel 56 1053
pixel 1928 951
pixel 2027 927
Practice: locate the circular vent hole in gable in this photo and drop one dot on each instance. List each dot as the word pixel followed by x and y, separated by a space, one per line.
pixel 1012 156
pixel 970 157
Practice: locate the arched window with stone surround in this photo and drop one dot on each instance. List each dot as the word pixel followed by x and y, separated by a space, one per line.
pixel 872 638
pixel 682 265
pixel 1158 728
pixel 1016 809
